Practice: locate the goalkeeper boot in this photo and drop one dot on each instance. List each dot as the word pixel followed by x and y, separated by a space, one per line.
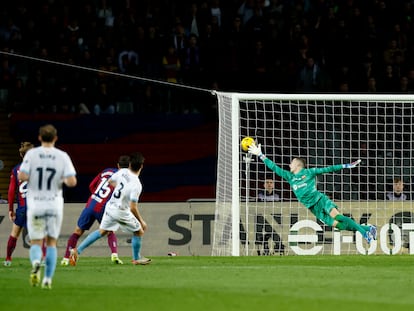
pixel 368 237
pixel 35 274
pixel 373 232
pixel 73 257
pixel 115 259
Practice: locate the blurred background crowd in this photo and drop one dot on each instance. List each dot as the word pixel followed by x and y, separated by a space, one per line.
pixel 274 46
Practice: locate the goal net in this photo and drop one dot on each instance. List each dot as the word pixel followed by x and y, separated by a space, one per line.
pixel 324 129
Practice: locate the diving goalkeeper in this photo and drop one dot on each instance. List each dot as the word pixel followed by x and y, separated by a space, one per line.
pixel 303 183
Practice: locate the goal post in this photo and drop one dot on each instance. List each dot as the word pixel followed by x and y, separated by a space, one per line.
pixel 324 129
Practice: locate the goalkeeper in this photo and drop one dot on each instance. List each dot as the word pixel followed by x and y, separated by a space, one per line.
pixel 303 183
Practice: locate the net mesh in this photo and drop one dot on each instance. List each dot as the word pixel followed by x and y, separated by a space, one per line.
pixel 324 130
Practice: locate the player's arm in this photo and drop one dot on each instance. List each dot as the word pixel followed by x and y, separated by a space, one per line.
pixel 23 176
pixel 352 164
pixel 334 168
pixel 70 181
pixel 11 194
pixel 134 209
pixel 257 150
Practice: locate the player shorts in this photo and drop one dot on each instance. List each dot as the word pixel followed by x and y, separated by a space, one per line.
pixel 20 219
pixel 114 219
pixel 322 209
pixel 44 218
pixel 88 217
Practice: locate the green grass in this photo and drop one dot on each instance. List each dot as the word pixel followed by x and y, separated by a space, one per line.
pixel 213 283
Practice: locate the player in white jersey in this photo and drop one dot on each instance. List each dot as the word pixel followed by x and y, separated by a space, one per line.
pixel 121 211
pixel 46 169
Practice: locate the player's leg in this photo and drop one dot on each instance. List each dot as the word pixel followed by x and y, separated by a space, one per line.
pixel 134 226
pixel 72 243
pixel 346 223
pixel 113 245
pixel 35 227
pixel 11 243
pixel 19 223
pixel 35 255
pixel 89 240
pixel 107 225
pixel 52 229
pixel 136 242
pixel 112 240
pixel 85 222
pixel 50 262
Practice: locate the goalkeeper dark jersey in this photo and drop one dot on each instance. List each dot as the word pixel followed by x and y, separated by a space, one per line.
pixel 303 183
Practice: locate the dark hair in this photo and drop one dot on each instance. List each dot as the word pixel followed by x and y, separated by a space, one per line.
pixel 123 161
pixel 136 160
pixel 47 133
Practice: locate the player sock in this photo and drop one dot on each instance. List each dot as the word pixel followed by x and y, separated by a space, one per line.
pixel 72 242
pixel 136 247
pixel 91 238
pixel 35 253
pixel 51 258
pixel 349 224
pixel 11 245
pixel 113 242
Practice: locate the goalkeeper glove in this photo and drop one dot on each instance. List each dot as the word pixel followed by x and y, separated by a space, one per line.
pixel 256 150
pixel 351 165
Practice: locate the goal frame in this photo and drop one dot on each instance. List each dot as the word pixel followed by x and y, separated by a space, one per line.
pixel 233 99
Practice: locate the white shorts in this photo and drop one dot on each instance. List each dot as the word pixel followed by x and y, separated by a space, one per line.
pixel 113 219
pixel 44 218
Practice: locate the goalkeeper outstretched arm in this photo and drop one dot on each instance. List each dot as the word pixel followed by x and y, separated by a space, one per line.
pixel 294 168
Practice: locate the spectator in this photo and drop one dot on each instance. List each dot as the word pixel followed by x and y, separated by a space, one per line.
pixel 104 101
pixel 268 194
pixel 309 76
pixel 398 191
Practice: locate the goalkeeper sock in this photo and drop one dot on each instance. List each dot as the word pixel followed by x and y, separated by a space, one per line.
pixel 366 228
pixel 341 226
pixel 349 224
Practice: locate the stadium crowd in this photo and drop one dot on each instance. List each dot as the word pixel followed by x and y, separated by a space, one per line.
pixel 251 46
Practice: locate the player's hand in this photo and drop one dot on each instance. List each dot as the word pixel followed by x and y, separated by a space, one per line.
pixel 352 165
pixel 144 225
pixel 255 149
pixel 12 216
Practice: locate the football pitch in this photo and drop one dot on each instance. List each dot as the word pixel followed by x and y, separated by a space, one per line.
pixel 218 283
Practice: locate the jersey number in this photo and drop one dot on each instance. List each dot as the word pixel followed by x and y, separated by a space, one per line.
pixel 117 193
pixel 48 173
pixel 103 189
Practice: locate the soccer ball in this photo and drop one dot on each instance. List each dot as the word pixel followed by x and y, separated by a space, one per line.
pixel 246 142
